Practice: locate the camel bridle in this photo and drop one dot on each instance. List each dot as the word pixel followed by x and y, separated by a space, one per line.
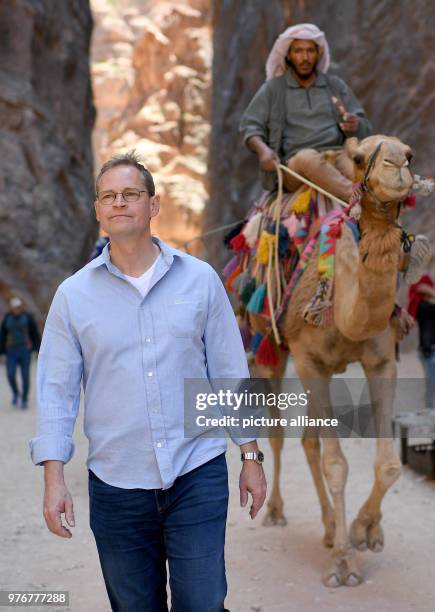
pixel 406 238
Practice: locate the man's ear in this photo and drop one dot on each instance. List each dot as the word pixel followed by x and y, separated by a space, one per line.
pixel 96 210
pixel 154 205
pixel 352 150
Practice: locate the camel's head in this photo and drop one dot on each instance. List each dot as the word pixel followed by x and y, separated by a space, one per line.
pixel 383 163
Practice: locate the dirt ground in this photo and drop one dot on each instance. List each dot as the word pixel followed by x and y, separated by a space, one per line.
pixel 270 569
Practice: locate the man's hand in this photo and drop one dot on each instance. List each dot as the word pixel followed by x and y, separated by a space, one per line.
pixel 268 160
pixel 252 480
pixel 266 156
pixel 350 123
pixel 57 500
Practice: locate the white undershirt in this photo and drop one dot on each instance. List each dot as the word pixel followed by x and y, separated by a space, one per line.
pixel 142 283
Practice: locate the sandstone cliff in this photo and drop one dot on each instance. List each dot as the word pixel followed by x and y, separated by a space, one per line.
pixel 151 71
pixel 46 119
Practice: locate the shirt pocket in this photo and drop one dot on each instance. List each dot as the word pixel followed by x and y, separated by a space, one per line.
pixel 184 314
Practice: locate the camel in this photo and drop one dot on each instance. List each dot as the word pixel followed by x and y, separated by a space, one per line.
pixel 364 297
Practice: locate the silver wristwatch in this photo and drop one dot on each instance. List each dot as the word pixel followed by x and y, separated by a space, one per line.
pixel 256 456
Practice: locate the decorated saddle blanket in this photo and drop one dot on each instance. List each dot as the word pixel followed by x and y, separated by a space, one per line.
pixel 271 249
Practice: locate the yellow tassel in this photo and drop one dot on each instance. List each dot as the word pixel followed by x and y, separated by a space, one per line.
pixel 263 247
pixel 301 203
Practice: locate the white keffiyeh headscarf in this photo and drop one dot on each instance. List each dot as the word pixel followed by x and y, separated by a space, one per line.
pixel 276 66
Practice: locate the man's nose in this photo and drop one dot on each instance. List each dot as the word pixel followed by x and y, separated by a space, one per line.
pixel 119 200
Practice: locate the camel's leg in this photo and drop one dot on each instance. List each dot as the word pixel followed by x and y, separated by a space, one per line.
pixel 311 444
pixel 366 530
pixel 275 504
pixel 343 569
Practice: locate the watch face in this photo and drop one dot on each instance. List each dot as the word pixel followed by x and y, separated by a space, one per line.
pixel 260 457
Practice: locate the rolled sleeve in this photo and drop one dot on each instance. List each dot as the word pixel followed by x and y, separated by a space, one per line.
pixel 225 354
pixel 59 375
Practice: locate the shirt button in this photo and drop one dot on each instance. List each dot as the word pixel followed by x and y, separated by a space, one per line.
pixel 150 373
pixel 159 445
pixel 147 339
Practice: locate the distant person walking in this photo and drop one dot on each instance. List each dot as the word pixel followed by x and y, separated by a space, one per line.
pixel 19 336
pixel 422 308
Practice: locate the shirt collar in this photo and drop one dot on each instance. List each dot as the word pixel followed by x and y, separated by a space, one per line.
pixel 320 80
pixel 167 252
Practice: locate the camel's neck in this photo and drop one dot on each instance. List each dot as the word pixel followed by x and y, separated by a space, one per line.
pixel 368 279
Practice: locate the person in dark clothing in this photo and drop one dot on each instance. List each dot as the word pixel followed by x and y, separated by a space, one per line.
pixel 422 308
pixel 19 336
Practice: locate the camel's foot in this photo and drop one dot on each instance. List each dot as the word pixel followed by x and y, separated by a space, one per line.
pixel 274 516
pixel 342 572
pixel 328 538
pixel 365 536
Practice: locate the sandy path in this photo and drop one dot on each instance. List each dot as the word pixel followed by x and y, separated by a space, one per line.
pixel 269 569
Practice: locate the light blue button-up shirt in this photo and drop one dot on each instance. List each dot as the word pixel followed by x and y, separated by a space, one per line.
pixel 132 355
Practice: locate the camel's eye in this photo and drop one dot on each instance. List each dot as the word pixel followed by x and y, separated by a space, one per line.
pixel 358 159
pixel 409 155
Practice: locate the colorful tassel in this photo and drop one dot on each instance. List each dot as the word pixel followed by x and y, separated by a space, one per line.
pixel 292 224
pixel 232 276
pixel 266 310
pixel 232 233
pixel 231 266
pixel 238 243
pixel 410 200
pixel 255 343
pixel 248 291
pixel 266 354
pixel 252 228
pixel 245 332
pixel 255 304
pixel 266 239
pixel 302 202
pixel 241 281
pixel 283 239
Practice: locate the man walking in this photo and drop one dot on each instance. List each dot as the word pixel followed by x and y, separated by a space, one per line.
pixel 19 336
pixel 301 112
pixel 133 324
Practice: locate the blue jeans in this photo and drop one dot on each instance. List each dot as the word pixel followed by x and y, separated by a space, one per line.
pixel 138 530
pixel 18 356
pixel 428 363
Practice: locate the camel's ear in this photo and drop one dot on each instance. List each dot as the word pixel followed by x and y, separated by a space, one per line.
pixel 353 152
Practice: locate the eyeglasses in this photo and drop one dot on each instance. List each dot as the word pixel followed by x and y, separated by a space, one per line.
pixel 128 195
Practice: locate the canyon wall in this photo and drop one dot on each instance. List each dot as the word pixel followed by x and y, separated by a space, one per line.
pixel 46 166
pixel 151 73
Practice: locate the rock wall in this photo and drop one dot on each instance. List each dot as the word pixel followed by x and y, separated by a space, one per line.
pixel 242 36
pixel 151 74
pixel 46 168
pixel 383 49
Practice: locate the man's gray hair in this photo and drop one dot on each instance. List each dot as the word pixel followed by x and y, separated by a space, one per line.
pixel 131 158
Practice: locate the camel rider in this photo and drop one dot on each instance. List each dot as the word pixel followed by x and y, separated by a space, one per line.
pixel 301 111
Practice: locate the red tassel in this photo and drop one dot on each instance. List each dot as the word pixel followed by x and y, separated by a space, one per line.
pixel 266 310
pixel 334 231
pixel 410 200
pixel 238 243
pixel 266 354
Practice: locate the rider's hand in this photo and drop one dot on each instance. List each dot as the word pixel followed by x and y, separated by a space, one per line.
pixel 268 159
pixel 350 123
